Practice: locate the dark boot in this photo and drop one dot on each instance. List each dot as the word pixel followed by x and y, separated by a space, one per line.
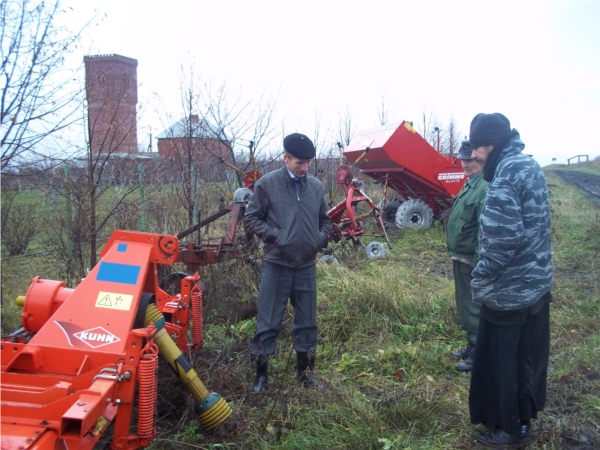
pixel 467 364
pixel 262 373
pixel 463 353
pixel 306 367
pixel 501 439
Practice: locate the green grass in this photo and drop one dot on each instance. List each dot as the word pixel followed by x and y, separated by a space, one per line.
pixel 386 328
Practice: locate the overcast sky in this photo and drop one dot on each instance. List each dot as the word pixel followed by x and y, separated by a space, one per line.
pixel 538 63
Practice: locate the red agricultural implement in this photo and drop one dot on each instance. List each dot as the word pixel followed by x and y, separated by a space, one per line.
pixel 86 358
pixel 424 180
pixel 234 244
pixel 347 223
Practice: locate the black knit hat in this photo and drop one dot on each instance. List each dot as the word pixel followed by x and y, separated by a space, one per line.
pixel 299 145
pixel 465 150
pixel 488 129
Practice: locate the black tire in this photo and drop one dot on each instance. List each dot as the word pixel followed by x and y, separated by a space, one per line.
pixel 172 283
pixel 414 213
pixel 391 206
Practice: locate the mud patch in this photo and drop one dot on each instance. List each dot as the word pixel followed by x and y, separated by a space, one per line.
pixel 587 182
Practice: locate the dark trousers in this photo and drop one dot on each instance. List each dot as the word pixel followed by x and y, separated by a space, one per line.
pixel 468 312
pixel 277 285
pixel 508 382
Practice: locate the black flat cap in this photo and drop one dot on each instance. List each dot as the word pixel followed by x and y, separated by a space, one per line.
pixel 488 129
pixel 299 145
pixel 465 150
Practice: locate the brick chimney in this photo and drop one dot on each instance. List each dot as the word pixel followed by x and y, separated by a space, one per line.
pixel 111 93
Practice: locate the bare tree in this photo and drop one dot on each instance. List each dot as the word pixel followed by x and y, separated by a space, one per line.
pixel 317 137
pixel 323 162
pixel 382 112
pixel 100 188
pixel 324 140
pixel 451 139
pixel 347 127
pixel 429 127
pixel 238 120
pixel 217 126
pixel 185 145
pixel 37 99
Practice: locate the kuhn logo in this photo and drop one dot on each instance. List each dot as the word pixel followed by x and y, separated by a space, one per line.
pixel 96 337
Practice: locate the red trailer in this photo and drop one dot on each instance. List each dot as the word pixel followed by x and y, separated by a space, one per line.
pixel 397 156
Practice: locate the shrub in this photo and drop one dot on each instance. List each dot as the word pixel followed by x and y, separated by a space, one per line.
pixel 19 225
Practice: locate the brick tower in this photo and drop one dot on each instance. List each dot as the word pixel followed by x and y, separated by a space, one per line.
pixel 111 92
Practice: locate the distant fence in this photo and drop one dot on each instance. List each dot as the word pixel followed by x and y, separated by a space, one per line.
pixel 578 159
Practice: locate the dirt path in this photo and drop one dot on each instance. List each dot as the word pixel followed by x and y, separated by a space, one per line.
pixel 584 181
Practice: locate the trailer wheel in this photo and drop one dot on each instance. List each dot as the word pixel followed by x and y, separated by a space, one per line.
pixel 375 250
pixel 391 206
pixel 414 213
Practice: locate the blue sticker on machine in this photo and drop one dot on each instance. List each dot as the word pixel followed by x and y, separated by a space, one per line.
pixel 122 248
pixel 118 273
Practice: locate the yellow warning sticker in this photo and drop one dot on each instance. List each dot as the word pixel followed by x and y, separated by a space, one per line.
pixel 100 424
pixel 111 300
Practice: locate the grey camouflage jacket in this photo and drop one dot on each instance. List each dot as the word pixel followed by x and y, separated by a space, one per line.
pixel 515 255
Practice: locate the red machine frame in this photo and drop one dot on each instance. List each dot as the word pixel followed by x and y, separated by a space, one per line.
pixel 82 354
pixel 346 224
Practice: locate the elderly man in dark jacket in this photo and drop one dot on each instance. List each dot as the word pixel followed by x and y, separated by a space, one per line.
pixel 461 238
pixel 512 281
pixel 288 213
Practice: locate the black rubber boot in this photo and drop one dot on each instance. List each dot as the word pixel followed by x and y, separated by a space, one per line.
pixel 306 367
pixel 467 364
pixel 463 353
pixel 262 373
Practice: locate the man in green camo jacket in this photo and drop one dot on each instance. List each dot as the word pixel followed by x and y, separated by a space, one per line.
pixel 462 240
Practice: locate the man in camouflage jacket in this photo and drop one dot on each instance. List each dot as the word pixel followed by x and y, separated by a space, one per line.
pixel 515 259
pixel 512 281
